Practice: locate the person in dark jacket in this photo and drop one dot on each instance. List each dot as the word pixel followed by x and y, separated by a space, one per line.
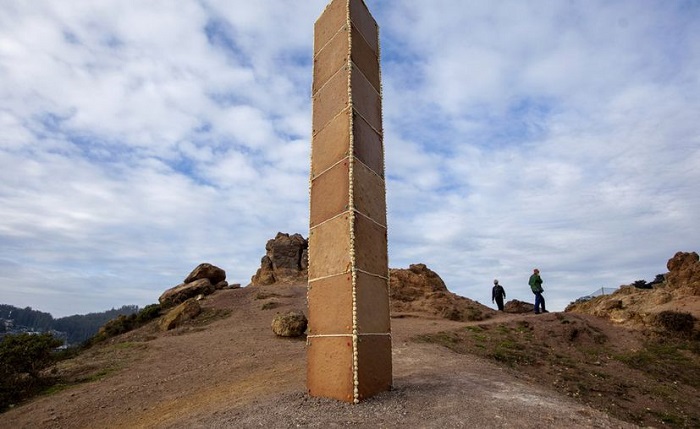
pixel 536 286
pixel 498 294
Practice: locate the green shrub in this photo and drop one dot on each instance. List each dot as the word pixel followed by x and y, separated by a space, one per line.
pixel 28 353
pixel 123 324
pixel 23 357
pixel 119 325
pixel 148 313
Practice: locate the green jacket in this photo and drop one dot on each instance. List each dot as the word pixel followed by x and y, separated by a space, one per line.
pixel 536 283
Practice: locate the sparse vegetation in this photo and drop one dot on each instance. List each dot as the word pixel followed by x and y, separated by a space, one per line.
pixel 666 360
pixel 468 314
pixel 125 323
pixel 655 383
pixel 25 358
pixel 270 305
pixel 676 322
pixel 267 295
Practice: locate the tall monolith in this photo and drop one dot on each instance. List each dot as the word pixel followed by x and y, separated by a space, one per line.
pixel 349 333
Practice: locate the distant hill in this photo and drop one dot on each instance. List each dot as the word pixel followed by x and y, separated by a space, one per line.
pixel 74 329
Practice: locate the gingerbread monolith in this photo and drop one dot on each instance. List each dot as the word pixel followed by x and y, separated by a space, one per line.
pixel 349 333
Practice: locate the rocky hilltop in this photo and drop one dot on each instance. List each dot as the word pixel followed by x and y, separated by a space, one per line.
pixel 634 307
pixel 455 362
pixel 413 291
pixel 420 290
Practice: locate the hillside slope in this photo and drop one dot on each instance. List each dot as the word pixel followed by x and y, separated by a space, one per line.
pixel 233 372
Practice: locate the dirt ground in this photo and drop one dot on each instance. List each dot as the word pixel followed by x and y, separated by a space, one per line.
pixel 234 372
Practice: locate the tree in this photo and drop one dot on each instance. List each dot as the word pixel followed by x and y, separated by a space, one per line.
pixel 28 353
pixel 22 359
pixel 642 284
pixel 660 278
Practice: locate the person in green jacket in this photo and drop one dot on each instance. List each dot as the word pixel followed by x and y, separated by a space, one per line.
pixel 536 286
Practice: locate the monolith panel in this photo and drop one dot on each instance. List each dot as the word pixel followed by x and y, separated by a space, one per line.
pixel 331 292
pixel 369 244
pixel 368 190
pixel 330 192
pixel 367 145
pixel 349 334
pixel 363 21
pixel 329 101
pixel 366 99
pixel 330 247
pixel 330 367
pixel 372 315
pixel 332 143
pixel 374 365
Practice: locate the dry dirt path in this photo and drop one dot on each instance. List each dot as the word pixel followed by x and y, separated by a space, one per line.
pixel 234 373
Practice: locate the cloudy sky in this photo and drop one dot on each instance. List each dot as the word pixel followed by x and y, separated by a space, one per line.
pixel 139 139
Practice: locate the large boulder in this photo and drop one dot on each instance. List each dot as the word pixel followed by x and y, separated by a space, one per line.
pixel 418 289
pixel 205 279
pixel 684 273
pixel 285 260
pixel 184 291
pixel 516 306
pixel 289 324
pixel 188 310
pixel 206 271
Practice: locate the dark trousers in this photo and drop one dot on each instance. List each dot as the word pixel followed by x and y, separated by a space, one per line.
pixel 499 303
pixel 539 302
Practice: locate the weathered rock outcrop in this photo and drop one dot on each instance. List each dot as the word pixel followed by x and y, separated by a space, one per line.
pixel 289 324
pixel 188 310
pixel 418 289
pixel 184 291
pixel 285 261
pixel 683 277
pixel 203 280
pixel 634 307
